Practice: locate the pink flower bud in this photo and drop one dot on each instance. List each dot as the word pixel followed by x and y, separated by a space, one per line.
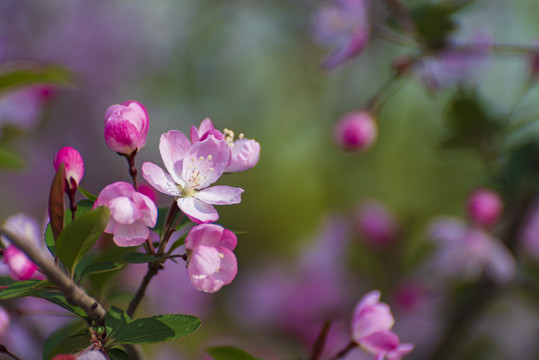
pixel 371 329
pixel 356 131
pixel 20 266
pixel 212 263
pixel 484 207
pixel 376 223
pixel 74 166
pixel 4 321
pixel 126 127
pixel 131 213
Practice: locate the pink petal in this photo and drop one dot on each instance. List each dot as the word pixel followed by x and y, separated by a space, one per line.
pixel 220 195
pixel 402 350
pixel 130 235
pixel 245 154
pixel 205 162
pixel 160 180
pixel 147 207
pixel 228 267
pixel 371 320
pixel 500 263
pixel 229 240
pixel 24 225
pixel 370 299
pixel 113 191
pixel 197 210
pixel 447 230
pixel 204 234
pixel 124 211
pixel 20 266
pixel 380 342
pixel 174 146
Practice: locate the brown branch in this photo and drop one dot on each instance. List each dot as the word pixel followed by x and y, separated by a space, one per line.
pixel 153 269
pixel 74 294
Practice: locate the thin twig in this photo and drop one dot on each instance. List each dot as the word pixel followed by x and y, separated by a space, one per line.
pixel 73 293
pixel 153 269
pixel 4 350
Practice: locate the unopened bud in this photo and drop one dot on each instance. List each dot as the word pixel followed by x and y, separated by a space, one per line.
pixel 356 131
pixel 74 165
pixel 126 127
pixel 484 207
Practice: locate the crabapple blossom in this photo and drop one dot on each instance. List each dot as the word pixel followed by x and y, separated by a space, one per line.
pixel 74 165
pixel 466 251
pixel 370 329
pixel 20 266
pixel 376 223
pixel 244 152
pixel 192 168
pixel 126 127
pixel 131 213
pixel 484 207
pixel 356 131
pixel 211 263
pixel 345 25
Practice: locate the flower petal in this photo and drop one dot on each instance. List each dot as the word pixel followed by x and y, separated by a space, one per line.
pixel 174 146
pixel 220 195
pixel 124 211
pixel 160 180
pixel 204 234
pixel 205 162
pixel 380 342
pixel 197 210
pixel 130 235
pixel 245 154
pixel 147 207
pixel 113 191
pixel 370 320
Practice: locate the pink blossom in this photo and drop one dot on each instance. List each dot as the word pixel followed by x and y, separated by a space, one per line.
pixel 74 165
pixel 376 223
pixel 131 213
pixel 192 168
pixel 466 251
pixel 211 263
pixel 484 207
pixel 91 355
pixel 345 25
pixel 371 329
pixel 22 107
pixel 244 152
pixel 20 266
pixel 356 131
pixel 4 321
pixel 126 127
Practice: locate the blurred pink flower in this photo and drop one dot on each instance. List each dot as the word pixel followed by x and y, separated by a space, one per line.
pixel 74 165
pixel 193 168
pixel 466 251
pixel 22 107
pixel 376 223
pixel 356 131
pixel 371 325
pixel 126 127
pixel 345 25
pixel 211 263
pixel 131 213
pixel 20 266
pixel 484 207
pixel 530 232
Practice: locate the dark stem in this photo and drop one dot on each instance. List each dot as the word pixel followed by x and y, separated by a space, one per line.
pixel 132 167
pixel 169 227
pixel 153 269
pixel 4 350
pixel 71 190
pixel 345 351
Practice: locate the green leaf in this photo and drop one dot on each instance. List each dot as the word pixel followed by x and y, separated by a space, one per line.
pixel 138 258
pixel 59 299
pixel 88 194
pixel 56 202
pixel 228 353
pixel 115 320
pixel 23 288
pixel 54 341
pixel 434 22
pixel 157 329
pixel 100 267
pixel 9 159
pixel 24 76
pixel 117 354
pixel 80 235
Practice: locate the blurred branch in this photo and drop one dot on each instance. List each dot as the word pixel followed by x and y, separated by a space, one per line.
pixel 73 293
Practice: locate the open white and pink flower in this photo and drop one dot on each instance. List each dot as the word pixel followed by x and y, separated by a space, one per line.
pixel 211 263
pixel 192 168
pixel 131 213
